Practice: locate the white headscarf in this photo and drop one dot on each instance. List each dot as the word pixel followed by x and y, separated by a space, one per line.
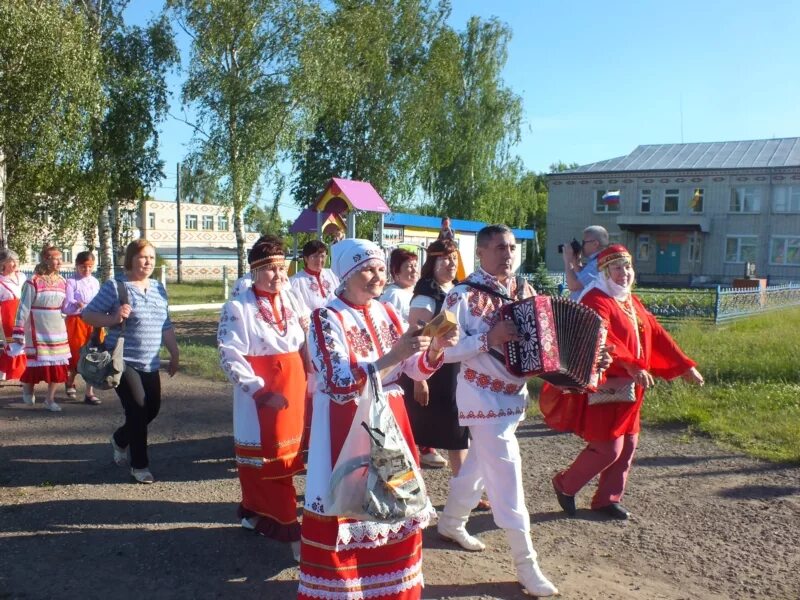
pixel 605 284
pixel 351 255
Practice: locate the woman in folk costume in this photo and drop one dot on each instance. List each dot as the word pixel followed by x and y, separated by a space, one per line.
pixel 346 559
pixel 39 329
pixel 81 289
pixel 261 342
pixel 641 350
pixel 11 280
pixel 314 285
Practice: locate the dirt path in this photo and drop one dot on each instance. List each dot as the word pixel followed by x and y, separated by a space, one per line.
pixel 708 523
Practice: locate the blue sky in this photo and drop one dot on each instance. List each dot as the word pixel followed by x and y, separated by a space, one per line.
pixel 599 78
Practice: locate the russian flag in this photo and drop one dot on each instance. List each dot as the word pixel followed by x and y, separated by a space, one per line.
pixel 611 197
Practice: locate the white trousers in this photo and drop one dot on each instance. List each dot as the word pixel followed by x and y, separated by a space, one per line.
pixel 494 463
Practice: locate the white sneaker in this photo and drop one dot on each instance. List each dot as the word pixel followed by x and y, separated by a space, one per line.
pixel 460 536
pixel 249 524
pixel 142 475
pixel 433 459
pixel 120 454
pixel 534 583
pixel 28 399
pixel 51 406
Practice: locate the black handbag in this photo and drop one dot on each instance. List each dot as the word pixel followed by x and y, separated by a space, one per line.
pixel 98 366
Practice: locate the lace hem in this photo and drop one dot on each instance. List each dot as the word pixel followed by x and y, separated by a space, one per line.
pixel 369 534
pixel 361 588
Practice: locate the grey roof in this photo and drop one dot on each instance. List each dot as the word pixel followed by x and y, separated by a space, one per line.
pixel 752 154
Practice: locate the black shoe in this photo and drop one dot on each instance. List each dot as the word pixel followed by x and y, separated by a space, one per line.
pixel 614 510
pixel 567 503
pixel 93 400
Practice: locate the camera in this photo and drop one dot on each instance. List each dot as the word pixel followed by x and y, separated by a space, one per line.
pixel 574 244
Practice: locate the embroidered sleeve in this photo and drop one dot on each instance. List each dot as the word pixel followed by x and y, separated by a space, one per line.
pixel 338 372
pixel 233 343
pixel 470 343
pixel 23 312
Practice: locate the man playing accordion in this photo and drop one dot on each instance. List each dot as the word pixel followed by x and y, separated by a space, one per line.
pixel 491 402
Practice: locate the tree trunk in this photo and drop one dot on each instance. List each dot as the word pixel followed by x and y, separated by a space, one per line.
pixel 3 236
pixel 105 251
pixel 238 227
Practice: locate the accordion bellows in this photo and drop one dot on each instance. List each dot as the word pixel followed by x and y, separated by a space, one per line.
pixel 561 341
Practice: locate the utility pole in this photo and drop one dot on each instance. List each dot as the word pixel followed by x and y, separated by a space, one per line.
pixel 178 210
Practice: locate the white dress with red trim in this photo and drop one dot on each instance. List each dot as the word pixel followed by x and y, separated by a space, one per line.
pixel 260 340
pixel 486 391
pixel 10 293
pixel 40 325
pixel 314 290
pixel 345 559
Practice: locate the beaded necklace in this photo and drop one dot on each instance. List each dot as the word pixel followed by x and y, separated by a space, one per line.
pixel 267 311
pixel 627 307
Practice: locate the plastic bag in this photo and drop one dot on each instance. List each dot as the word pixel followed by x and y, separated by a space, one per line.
pixel 375 477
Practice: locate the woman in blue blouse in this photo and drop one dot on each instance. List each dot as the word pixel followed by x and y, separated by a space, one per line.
pixel 147 326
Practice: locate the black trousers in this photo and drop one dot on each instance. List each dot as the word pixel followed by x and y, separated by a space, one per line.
pixel 140 394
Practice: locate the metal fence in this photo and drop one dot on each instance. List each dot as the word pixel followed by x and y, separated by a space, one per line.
pixel 717 305
pixel 732 303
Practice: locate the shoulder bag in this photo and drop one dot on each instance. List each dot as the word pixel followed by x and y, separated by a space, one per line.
pixel 97 365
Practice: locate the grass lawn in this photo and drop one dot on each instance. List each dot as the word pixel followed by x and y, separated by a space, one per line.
pixel 196 292
pixel 751 399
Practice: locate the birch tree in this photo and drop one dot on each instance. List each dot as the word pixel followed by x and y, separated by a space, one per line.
pixel 251 77
pixel 49 61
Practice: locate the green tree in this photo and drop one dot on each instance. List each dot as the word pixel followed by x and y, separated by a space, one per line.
pixel 475 126
pixel 123 164
pixel 50 85
pixel 253 72
pixel 374 127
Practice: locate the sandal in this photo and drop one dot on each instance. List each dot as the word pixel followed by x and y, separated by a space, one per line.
pixel 71 391
pixel 92 399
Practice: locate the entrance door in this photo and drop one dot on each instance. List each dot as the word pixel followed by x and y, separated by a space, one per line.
pixel 668 259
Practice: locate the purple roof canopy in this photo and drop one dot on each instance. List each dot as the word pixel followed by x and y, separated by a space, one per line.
pixel 359 194
pixel 307 221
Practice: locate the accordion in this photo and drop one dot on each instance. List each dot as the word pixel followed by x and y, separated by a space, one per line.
pixel 560 341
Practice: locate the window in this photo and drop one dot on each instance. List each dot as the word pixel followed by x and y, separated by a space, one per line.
pixel 607 205
pixel 786 198
pixel 191 222
pixel 740 249
pixel 66 256
pixel 644 201
pixel 151 220
pixel 746 199
pixel 696 203
pixel 671 200
pixel 695 249
pixel 208 223
pixel 643 248
pixel 222 222
pixel 784 250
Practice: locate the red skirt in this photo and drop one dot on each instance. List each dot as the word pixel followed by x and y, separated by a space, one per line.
pixel 49 373
pixel 265 472
pixel 390 571
pixel 12 366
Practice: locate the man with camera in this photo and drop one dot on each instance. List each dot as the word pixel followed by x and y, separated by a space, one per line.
pixel 580 259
